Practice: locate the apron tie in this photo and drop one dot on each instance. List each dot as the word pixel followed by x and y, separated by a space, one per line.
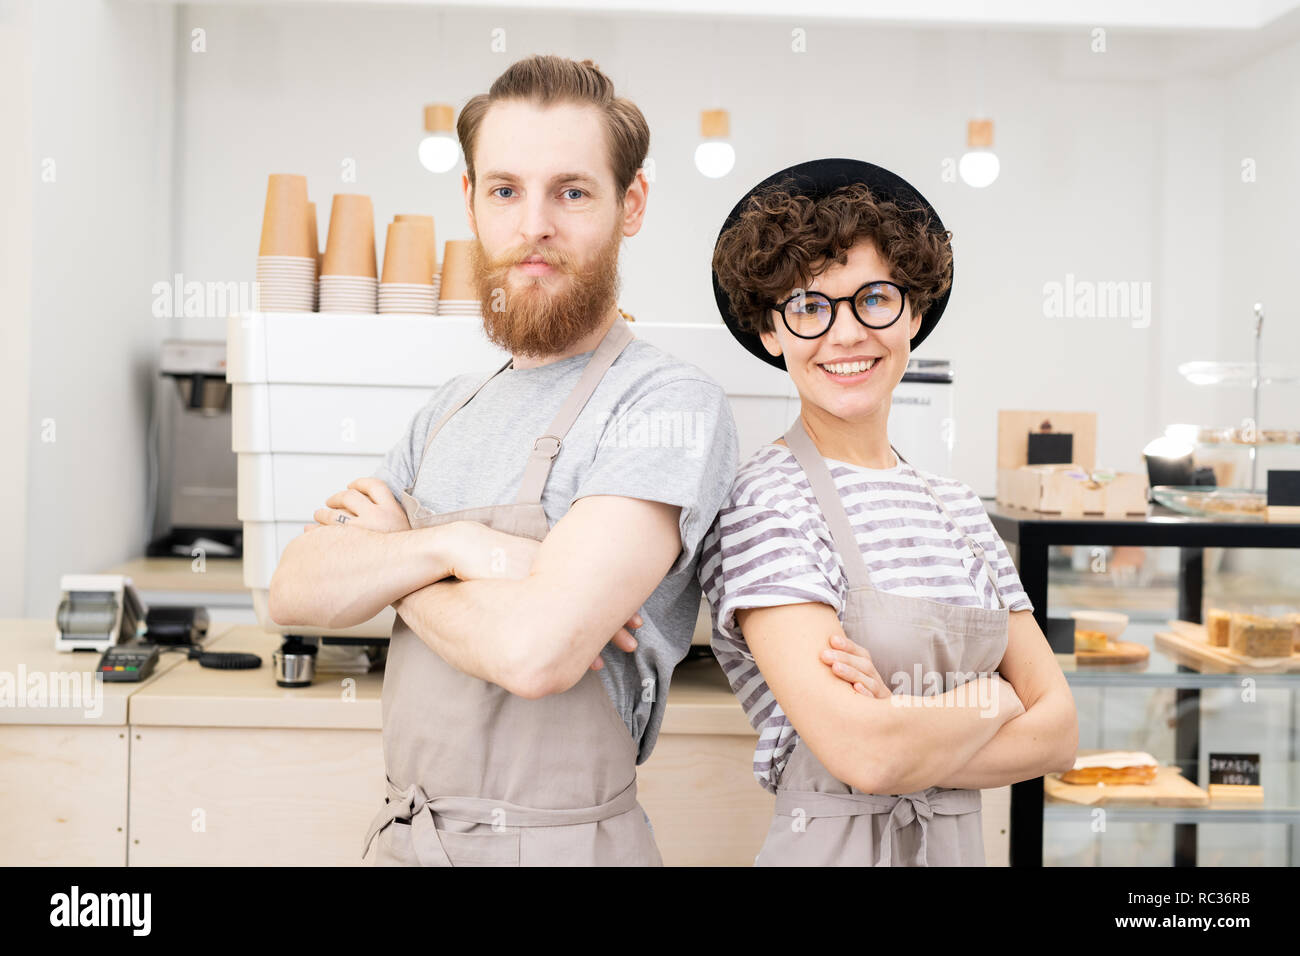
pixel 409 803
pixel 908 807
pixel 414 804
pixel 920 806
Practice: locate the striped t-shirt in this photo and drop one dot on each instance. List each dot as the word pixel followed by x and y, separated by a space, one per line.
pixel 770 545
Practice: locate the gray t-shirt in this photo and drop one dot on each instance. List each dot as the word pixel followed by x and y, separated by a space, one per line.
pixel 655 428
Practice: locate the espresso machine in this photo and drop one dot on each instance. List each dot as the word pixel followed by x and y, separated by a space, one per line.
pixel 192 469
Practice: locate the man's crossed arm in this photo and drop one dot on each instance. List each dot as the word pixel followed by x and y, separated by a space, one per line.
pixel 536 635
pixel 525 615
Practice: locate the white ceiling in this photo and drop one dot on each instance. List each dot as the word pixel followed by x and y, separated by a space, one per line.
pixel 1143 15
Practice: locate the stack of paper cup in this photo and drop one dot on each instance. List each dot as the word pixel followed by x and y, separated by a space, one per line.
pixel 426 224
pixel 287 258
pixel 457 292
pixel 349 279
pixel 407 284
pixel 427 221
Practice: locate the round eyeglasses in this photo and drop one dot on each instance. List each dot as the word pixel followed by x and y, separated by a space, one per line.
pixel 877 305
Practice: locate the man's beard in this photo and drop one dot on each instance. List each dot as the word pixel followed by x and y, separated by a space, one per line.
pixel 545 315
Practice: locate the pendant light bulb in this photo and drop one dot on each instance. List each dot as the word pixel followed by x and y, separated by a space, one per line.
pixel 439 151
pixel 715 156
pixel 979 166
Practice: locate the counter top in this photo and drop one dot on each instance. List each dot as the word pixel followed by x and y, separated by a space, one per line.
pixel 178 574
pixel 180 693
pixel 196 696
pixel 33 674
pixel 1159 527
pixel 699 699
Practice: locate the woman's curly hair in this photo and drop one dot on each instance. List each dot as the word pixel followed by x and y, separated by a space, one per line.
pixel 782 239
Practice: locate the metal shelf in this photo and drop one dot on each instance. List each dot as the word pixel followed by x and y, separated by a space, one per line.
pixel 1183 680
pixel 1174 815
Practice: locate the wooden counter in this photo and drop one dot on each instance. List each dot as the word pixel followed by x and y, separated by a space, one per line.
pixel 216 584
pixel 63 755
pixel 195 696
pixel 699 699
pixel 180 574
pixel 304 784
pixel 27 651
pixel 226 768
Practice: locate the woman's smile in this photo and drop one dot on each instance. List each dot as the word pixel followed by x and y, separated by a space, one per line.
pixel 851 370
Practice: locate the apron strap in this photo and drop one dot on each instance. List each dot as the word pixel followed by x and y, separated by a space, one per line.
pixel 976 550
pixel 442 421
pixel 540 460
pixel 548 445
pixel 828 497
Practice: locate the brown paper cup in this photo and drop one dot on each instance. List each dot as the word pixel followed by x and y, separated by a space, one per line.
pixel 406 254
pixel 458 270
pixel 285 217
pixel 427 223
pixel 350 244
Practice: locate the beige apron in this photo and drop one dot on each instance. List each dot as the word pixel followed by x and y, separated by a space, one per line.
pixel 821 821
pixel 478 776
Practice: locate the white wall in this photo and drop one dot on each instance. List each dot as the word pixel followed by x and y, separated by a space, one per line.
pixel 101 97
pixel 15 290
pixel 1190 198
pixel 1079 134
pixel 1261 252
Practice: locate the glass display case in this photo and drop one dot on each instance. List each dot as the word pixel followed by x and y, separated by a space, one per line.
pixel 1176 696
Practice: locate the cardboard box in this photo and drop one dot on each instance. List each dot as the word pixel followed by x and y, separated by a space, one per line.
pixel 1014 428
pixel 1050 488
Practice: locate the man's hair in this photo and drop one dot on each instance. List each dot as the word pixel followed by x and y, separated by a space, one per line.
pixel 782 239
pixel 547 79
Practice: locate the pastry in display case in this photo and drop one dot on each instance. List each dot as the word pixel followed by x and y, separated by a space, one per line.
pixel 1112 767
pixel 1090 641
pixel 1261 641
pixel 1254 635
pixel 1216 626
pixel 1096 639
pixel 1131 778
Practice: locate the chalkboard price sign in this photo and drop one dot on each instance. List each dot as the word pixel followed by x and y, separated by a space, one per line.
pixel 1234 769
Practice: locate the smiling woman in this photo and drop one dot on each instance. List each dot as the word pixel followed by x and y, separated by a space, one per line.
pixel 866 612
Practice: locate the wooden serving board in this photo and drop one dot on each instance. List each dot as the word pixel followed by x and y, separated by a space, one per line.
pixel 1169 789
pixel 1116 652
pixel 1189 645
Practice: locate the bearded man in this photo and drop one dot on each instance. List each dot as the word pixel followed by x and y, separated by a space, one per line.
pixel 520 528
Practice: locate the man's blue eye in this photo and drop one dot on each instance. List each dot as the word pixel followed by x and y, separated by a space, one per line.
pixel 575 189
pixel 499 188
